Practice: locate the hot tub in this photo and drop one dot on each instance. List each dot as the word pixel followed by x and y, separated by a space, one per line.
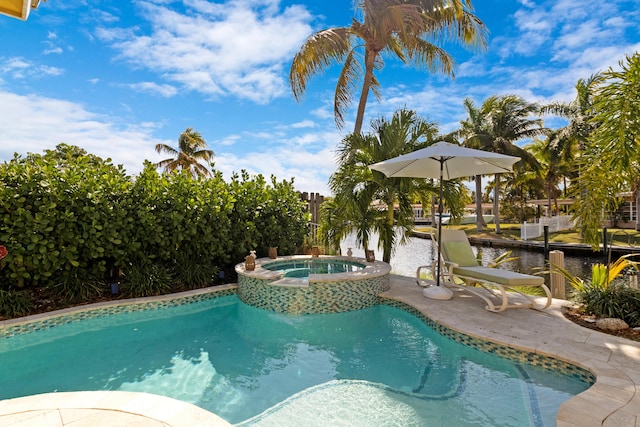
pixel 303 284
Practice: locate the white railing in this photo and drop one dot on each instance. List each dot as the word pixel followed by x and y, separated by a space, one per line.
pixel 555 223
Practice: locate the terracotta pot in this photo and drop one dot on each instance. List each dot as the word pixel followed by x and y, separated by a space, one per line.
pixel 273 252
pixel 371 256
pixel 249 263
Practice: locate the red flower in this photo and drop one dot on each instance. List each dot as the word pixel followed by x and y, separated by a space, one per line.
pixel 3 252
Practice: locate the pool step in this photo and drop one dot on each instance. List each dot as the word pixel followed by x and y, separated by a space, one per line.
pixel 441 381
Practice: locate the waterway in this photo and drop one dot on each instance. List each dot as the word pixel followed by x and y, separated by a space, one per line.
pixel 419 251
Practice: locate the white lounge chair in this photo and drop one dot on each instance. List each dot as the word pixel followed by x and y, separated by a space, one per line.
pixel 462 270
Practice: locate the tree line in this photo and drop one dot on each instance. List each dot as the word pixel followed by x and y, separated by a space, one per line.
pixel 593 158
pixel 596 154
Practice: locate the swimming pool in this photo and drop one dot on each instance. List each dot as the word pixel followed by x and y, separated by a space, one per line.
pixel 260 368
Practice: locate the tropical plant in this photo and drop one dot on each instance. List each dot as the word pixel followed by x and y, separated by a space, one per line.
pixel 187 157
pixel 406 29
pixel 473 133
pixel 518 190
pixel 603 295
pixel 553 166
pixel 500 122
pixel 367 201
pixel 194 272
pixel 602 276
pixel 615 301
pixel 609 162
pixel 14 303
pixel 572 138
pixel 74 289
pixel 146 279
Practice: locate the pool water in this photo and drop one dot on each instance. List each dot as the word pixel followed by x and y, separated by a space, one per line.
pixel 376 366
pixel 302 268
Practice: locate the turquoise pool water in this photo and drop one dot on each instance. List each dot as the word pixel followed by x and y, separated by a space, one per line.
pixel 377 366
pixel 302 268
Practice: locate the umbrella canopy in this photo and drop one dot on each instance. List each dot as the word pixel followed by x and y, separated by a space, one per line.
pixel 457 162
pixel 445 161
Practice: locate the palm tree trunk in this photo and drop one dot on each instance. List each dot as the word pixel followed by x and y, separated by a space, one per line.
pixel 496 203
pixel 549 200
pixel 387 244
pixel 370 59
pixel 637 194
pixel 480 223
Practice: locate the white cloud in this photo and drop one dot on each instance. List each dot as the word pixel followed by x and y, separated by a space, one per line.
pixel 304 124
pixel 163 90
pixel 240 47
pixel 310 170
pixel 19 68
pixel 53 50
pixel 32 124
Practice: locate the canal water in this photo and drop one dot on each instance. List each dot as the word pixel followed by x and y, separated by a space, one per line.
pixel 418 251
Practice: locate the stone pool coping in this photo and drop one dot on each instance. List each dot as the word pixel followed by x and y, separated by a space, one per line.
pixel 613 401
pixel 371 269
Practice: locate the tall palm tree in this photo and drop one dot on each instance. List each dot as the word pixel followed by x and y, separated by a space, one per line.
pixel 611 160
pixel 191 151
pixel 474 134
pixel 367 200
pixel 571 138
pixel 406 29
pixel 500 122
pixel 569 141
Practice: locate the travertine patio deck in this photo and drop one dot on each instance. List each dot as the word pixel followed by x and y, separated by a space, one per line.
pixel 614 401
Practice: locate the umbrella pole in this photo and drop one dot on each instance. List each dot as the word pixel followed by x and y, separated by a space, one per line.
pixel 439 225
pixel 439 292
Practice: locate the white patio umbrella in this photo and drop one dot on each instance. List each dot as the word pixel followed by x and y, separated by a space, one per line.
pixel 444 161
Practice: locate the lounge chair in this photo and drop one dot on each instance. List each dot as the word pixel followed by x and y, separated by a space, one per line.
pixel 461 269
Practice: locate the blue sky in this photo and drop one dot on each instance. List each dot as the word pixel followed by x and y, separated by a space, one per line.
pixel 116 77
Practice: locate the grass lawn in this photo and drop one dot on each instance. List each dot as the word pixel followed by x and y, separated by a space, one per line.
pixel 615 236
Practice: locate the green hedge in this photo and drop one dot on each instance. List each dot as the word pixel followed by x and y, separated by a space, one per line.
pixel 71 219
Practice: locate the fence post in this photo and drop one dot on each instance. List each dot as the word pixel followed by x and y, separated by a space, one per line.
pixel 605 245
pixel 546 242
pixel 556 259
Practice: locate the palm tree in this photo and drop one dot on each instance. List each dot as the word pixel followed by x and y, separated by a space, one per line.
pixel 500 122
pixel 553 166
pixel 367 200
pixel 191 151
pixel 611 160
pixel 474 134
pixel 571 138
pixel 406 29
pixel 523 186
